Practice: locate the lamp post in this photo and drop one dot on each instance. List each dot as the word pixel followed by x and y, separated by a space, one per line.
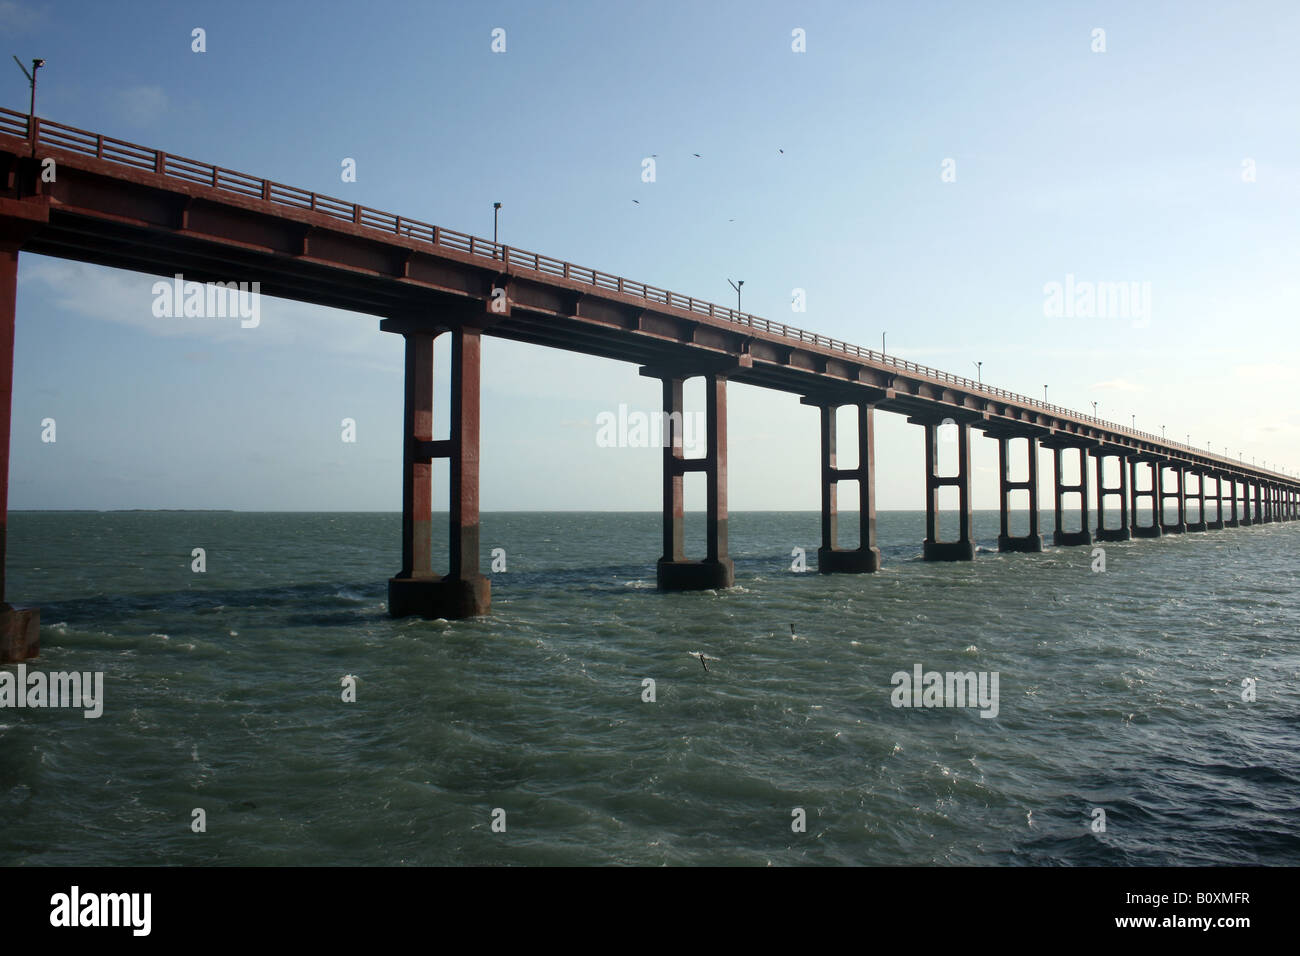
pixel 31 113
pixel 979 372
pixel 736 286
pixel 496 208
pixel 882 342
pixel 1094 409
pixel 1044 394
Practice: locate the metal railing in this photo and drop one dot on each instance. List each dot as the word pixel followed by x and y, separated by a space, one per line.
pixel 133 155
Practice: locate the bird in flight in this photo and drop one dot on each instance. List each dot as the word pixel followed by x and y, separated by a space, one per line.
pixel 703 658
pixel 696 155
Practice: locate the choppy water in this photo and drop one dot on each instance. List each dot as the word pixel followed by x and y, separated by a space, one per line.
pixel 1119 690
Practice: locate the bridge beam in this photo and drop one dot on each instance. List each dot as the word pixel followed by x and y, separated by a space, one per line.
pixel 831 558
pixel 416 589
pixel 19 626
pixel 674 572
pixel 1124 531
pixel 963 549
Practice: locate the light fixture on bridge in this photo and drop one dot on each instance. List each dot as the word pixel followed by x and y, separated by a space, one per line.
pixel 496 208
pixel 37 63
pixel 736 286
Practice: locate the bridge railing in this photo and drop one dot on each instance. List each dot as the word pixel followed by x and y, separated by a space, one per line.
pixel 193 171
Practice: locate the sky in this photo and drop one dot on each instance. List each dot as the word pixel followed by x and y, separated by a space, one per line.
pixel 925 170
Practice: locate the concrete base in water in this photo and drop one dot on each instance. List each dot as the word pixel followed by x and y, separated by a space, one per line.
pixel 435 597
pixel 695 575
pixel 949 551
pixel 20 633
pixel 1173 529
pixel 1030 543
pixel 849 561
pixel 1068 538
pixel 1146 531
pixel 1217 525
pixel 1114 534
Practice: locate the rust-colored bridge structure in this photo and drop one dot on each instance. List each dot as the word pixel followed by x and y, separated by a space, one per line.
pixel 79 195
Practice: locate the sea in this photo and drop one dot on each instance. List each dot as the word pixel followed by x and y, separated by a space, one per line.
pixel 260 707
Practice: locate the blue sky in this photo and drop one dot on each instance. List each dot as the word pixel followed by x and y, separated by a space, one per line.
pixel 1117 166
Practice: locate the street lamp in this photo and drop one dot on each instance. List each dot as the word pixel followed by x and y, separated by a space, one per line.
pixel 882 342
pixel 496 208
pixel 1044 394
pixel 736 286
pixel 1135 421
pixel 979 372
pixel 1162 432
pixel 1094 409
pixel 31 114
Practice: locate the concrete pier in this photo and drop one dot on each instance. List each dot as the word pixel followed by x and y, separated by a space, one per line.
pixel 675 572
pixel 1061 537
pixel 20 627
pixel 1218 524
pixel 1033 541
pixel 963 548
pixel 831 558
pixel 1178 494
pixel 1200 523
pixel 1154 492
pixel 1124 531
pixel 416 590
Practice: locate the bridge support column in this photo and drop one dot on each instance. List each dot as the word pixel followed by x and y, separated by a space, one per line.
pixel 831 558
pixel 1200 523
pixel 19 626
pixel 1155 492
pixel 1179 526
pixel 963 549
pixel 1234 517
pixel 417 590
pixel 1218 523
pixel 1033 541
pixel 1257 516
pixel 1123 532
pixel 1061 537
pixel 674 572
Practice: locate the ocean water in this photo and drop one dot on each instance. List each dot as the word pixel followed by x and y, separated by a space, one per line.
pixel 1119 690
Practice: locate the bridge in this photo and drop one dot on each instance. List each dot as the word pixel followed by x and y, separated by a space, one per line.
pixel 119 204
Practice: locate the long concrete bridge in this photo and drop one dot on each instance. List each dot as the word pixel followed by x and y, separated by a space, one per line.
pixel 118 204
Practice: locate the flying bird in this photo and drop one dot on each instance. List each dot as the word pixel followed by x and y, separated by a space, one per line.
pixel 781 151
pixel 696 155
pixel 637 201
pixel 703 658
